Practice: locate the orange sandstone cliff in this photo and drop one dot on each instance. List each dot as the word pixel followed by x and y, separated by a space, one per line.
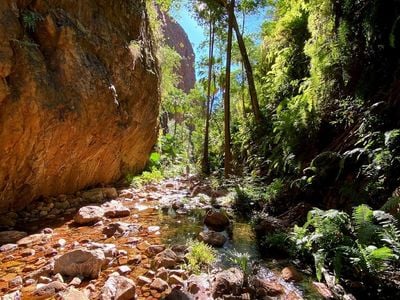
pixel 79 95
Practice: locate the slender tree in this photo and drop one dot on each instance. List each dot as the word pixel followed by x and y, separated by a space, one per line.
pixel 227 115
pixel 247 65
pixel 205 160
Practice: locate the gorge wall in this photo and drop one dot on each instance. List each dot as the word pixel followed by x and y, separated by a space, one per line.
pixel 79 95
pixel 177 39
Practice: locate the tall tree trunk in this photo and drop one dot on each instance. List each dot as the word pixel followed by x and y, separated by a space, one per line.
pixel 242 71
pixel 205 160
pixel 249 72
pixel 227 115
pixel 247 65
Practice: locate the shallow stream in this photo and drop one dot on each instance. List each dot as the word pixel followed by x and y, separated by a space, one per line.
pixel 145 209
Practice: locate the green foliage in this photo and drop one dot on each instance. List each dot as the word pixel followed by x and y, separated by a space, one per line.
pixel 392 205
pixel 364 244
pixel 146 177
pixel 30 19
pixel 277 243
pixel 200 256
pixel 242 260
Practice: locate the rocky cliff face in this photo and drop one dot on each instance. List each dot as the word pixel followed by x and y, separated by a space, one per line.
pixel 177 39
pixel 79 95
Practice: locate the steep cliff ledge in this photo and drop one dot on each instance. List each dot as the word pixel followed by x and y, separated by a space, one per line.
pixel 177 39
pixel 79 95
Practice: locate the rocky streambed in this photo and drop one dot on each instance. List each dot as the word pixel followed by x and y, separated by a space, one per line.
pixel 131 243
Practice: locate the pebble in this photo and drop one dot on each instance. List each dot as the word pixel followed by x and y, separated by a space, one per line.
pixel 123 260
pixel 47 231
pixel 44 279
pixel 159 285
pixel 60 243
pixel 58 277
pixel 136 259
pixel 153 229
pixel 8 247
pixel 143 280
pixel 28 252
pixel 124 270
pixel 30 281
pixel 76 281
pixel 16 282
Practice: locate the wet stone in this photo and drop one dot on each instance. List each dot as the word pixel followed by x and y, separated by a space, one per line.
pixel 213 238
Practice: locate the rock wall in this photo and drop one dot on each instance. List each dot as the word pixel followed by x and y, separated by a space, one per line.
pixel 177 39
pixel 79 95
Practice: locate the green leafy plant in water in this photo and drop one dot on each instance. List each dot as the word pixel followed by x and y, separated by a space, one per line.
pixel 200 256
pixel 242 260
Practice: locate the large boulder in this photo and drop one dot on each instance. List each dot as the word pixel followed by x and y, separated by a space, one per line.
pixel 88 215
pixel 228 282
pixel 216 220
pixel 267 287
pixel 115 209
pixel 118 287
pixel 80 262
pixel 266 224
pixel 77 108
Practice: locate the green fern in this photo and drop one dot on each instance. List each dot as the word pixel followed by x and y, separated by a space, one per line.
pixel 391 236
pixel 363 222
pixel 371 259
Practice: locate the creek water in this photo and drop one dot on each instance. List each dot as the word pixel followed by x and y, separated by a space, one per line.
pixel 174 228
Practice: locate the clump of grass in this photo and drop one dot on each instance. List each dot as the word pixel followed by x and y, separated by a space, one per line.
pixel 200 256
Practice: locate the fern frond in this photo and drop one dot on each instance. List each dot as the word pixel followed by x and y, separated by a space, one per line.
pixel 362 214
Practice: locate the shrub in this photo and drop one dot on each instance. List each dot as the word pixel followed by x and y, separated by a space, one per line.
pixel 146 177
pixel 364 244
pixel 200 256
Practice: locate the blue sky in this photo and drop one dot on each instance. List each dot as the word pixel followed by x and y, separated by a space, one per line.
pixel 196 33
